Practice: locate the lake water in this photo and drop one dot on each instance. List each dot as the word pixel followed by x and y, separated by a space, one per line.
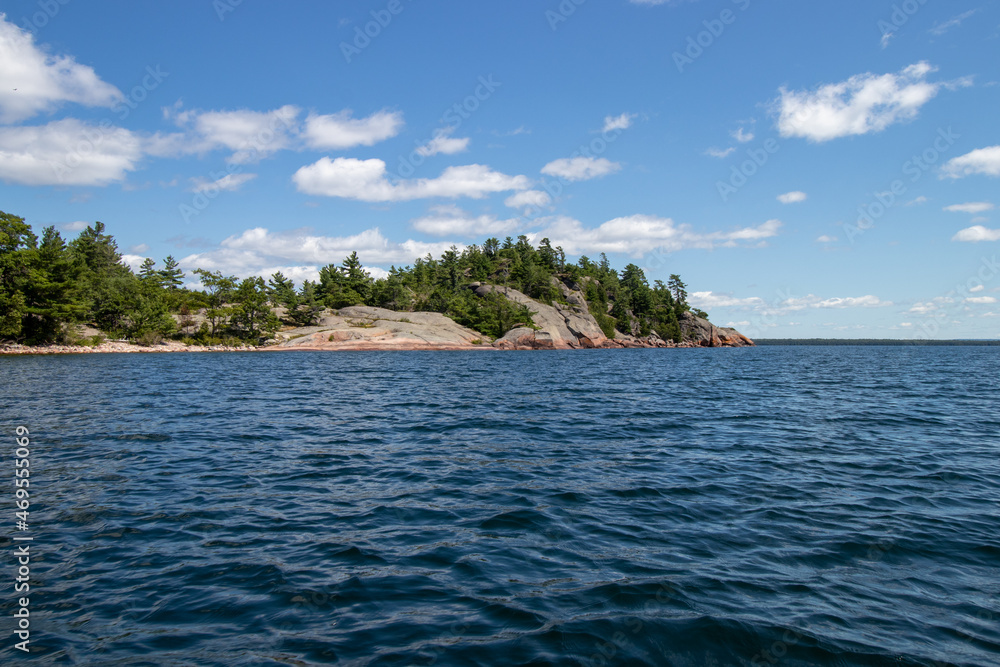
pixel 773 506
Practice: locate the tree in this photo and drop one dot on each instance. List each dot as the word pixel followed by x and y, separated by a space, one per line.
pixel 51 293
pixel 678 288
pixel 252 313
pixel 281 291
pixel 171 276
pixel 148 272
pixel 17 244
pixel 309 307
pixel 219 289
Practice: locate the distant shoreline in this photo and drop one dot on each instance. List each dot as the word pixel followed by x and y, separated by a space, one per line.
pixel 886 342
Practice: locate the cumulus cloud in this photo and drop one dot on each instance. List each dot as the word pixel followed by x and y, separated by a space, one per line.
pixel 340 131
pixel 971 207
pixel 251 135
pixel 32 81
pixel 792 197
pixel 981 299
pixel 711 300
pixel 300 253
pixel 984 161
pixel 67 152
pixel 444 143
pixel 864 103
pixel 580 168
pixel 826 239
pixel 453 221
pixel 228 183
pixel 977 233
pixel 528 199
pixel 639 234
pixel 366 180
pixel 622 122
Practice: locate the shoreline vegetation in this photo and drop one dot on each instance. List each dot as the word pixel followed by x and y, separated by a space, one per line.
pixel 79 297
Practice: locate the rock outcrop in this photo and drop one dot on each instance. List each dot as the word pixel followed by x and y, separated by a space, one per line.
pixel 705 334
pixel 566 325
pixel 559 327
pixel 367 328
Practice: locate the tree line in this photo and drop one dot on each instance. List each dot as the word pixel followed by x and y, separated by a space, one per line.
pixel 49 285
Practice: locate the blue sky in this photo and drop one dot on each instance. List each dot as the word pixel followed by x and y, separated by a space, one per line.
pixel 810 169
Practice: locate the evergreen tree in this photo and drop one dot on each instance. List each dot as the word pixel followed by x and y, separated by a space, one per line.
pixel 171 276
pixel 678 288
pixel 251 312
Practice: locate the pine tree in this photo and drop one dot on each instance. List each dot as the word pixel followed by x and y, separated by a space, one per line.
pixel 171 276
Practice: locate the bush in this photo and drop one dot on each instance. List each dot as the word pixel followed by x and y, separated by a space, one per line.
pixel 148 339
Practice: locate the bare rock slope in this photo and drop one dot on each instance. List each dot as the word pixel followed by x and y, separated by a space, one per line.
pixel 562 326
pixel 367 328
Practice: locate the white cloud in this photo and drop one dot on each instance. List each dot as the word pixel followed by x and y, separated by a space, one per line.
pixel 886 37
pixel 918 201
pixel 953 23
pixel 259 252
pixel 971 207
pixel 743 136
pixel 864 103
pixel 622 122
pixel 711 300
pixel 528 199
pixel 977 233
pixel 340 131
pixel 32 81
pixel 251 135
pixel 639 234
pixel 67 152
pixel 977 288
pixel 792 197
pixel 984 161
pixel 580 168
pixel 719 153
pixel 981 299
pixel 365 180
pixel 77 226
pixel 453 221
pixel 868 301
pixel 134 262
pixel 228 183
pixel 139 249
pixel 444 143
pixel 826 239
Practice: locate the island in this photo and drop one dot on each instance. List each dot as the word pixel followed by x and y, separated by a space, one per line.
pixel 79 296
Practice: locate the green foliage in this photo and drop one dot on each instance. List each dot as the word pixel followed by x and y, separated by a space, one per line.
pixel 47 287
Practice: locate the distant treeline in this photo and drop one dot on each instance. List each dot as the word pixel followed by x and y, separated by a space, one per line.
pixel 874 341
pixel 49 286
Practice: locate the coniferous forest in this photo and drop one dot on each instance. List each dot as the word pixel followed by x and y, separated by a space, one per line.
pixel 50 285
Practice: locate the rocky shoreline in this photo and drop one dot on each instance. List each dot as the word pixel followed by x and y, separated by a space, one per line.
pixel 120 348
pixel 565 325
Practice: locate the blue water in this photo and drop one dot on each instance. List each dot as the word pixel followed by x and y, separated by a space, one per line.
pixel 773 506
